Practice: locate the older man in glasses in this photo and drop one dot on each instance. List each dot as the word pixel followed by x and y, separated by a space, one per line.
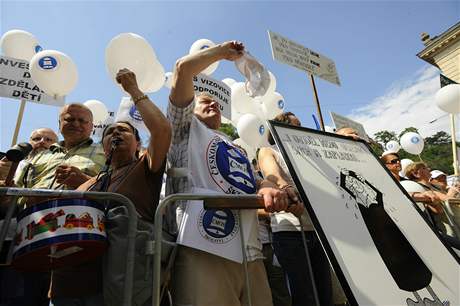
pixel 40 139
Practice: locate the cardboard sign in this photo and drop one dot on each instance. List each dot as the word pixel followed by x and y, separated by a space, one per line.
pixel 382 249
pixel 16 83
pixel 289 52
pixel 341 121
pixel 220 91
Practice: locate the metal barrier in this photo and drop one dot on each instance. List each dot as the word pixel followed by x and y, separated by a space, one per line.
pixel 217 201
pixel 90 195
pixel 452 211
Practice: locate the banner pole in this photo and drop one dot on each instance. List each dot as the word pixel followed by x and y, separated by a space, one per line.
pixel 318 107
pixel 18 122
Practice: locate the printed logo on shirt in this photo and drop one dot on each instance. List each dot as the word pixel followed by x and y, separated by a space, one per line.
pixel 218 226
pixel 229 168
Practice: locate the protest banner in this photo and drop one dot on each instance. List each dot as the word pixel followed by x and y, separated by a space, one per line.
pixel 220 91
pixel 289 52
pixel 16 83
pixel 342 121
pixel 382 249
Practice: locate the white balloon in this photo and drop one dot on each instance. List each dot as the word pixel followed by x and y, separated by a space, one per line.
pixel 154 78
pixel 448 98
pixel 19 44
pixel 201 44
pixel 99 110
pixel 54 72
pixel 129 50
pixel 251 129
pixel 392 146
pixel 412 143
pixel 236 115
pixel 241 101
pixel 251 151
pixel 273 105
pixel 168 79
pixel 229 81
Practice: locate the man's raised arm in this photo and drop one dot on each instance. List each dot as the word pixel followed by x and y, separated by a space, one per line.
pixel 187 67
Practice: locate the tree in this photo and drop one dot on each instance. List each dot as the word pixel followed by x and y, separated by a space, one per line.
pixel 407 130
pixel 385 136
pixel 229 130
pixel 437 152
pixel 438 139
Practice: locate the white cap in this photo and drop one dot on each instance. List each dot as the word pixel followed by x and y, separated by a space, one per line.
pixel 388 152
pixel 436 173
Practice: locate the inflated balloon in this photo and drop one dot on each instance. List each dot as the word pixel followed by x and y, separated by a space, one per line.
pixel 229 81
pixel 448 98
pixel 251 151
pixel 154 78
pixel 273 105
pixel 168 79
pixel 19 44
pixel 99 110
pixel 199 45
pixel 412 143
pixel 127 111
pixel 404 163
pixel 251 129
pixel 241 101
pixel 54 72
pixel 236 115
pixel 129 50
pixel 392 146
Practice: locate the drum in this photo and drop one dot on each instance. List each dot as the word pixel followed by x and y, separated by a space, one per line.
pixel 59 233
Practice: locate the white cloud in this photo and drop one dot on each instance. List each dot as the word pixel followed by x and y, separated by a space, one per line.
pixel 407 103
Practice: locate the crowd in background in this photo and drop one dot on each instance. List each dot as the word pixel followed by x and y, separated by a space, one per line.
pixel 281 272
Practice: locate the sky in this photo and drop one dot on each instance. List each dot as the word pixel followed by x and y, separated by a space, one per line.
pixel 373 44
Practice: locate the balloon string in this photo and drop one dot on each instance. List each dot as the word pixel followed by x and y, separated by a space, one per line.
pixel 420 157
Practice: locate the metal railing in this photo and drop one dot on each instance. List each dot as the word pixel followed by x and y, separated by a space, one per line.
pixel 216 201
pixel 90 195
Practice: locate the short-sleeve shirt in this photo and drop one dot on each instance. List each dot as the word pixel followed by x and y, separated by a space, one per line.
pixel 40 172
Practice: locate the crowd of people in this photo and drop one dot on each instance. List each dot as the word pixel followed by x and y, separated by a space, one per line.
pixel 281 272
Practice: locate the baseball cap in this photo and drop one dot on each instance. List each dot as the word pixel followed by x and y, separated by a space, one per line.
pixel 436 173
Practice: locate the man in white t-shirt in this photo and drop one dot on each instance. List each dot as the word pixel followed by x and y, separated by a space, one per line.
pixel 201 278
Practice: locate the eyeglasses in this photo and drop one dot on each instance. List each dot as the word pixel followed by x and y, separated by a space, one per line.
pixel 393 161
pixel 44 138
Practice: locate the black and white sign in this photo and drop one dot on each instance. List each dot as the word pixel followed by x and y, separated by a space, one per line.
pixel 220 91
pixel 382 249
pixel 296 55
pixel 16 83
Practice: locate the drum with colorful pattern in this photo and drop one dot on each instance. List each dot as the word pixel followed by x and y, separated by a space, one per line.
pixel 59 233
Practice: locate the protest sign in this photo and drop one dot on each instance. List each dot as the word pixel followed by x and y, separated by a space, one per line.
pixel 220 91
pixel 382 249
pixel 16 83
pixel 291 53
pixel 342 121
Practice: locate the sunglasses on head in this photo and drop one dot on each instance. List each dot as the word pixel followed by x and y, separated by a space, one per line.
pixel 393 161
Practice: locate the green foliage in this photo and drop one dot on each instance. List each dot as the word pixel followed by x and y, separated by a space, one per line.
pixel 229 130
pixel 406 130
pixel 437 152
pixel 385 136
